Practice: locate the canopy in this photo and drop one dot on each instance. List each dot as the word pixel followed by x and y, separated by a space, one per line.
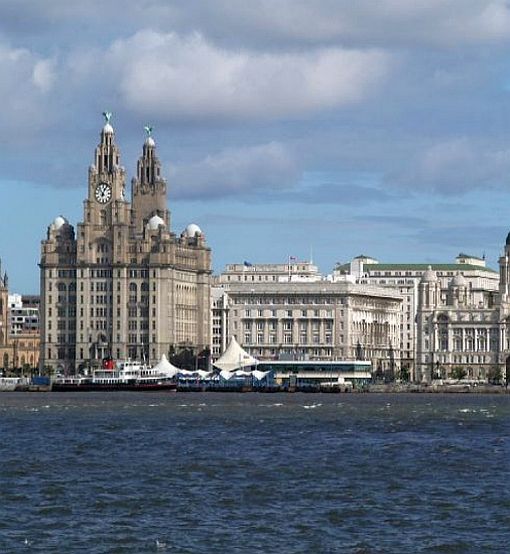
pixel 166 368
pixel 259 374
pixel 235 357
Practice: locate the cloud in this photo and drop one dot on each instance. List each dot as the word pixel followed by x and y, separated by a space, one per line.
pixel 235 172
pixel 435 23
pixel 454 166
pixel 43 75
pixel 26 81
pixel 169 76
pixel 277 24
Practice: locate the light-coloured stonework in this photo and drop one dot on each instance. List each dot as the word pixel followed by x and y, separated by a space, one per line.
pixel 123 284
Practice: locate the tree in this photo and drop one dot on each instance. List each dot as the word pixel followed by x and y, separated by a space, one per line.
pixel 458 372
pixel 404 374
pixel 495 375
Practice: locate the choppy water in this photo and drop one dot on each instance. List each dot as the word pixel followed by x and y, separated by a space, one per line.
pixel 220 473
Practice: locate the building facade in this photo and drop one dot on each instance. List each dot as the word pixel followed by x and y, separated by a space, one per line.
pixel 19 341
pixel 123 284
pixel 465 325
pixel 275 313
pixel 404 279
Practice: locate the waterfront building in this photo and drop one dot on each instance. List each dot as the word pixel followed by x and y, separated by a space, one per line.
pixel 23 314
pixel 466 325
pixel 19 340
pixel 404 279
pixel 292 271
pixel 219 321
pixel 122 284
pixel 308 319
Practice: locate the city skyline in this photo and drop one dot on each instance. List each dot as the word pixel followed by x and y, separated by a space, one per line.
pixel 282 129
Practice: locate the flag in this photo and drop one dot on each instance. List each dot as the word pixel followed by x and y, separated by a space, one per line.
pixel 247 264
pixel 292 258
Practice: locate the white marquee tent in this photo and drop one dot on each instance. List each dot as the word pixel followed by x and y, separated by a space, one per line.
pixel 235 357
pixel 166 368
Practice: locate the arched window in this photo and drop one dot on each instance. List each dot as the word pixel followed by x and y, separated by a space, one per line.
pixel 442 329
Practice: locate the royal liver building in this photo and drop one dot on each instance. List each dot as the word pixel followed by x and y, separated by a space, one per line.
pixel 122 284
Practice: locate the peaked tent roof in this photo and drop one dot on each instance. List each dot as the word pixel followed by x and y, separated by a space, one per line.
pixel 164 366
pixel 235 357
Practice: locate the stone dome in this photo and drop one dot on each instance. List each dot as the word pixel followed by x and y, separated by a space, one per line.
pixel 191 230
pixel 155 222
pixel 59 222
pixel 149 141
pixel 459 280
pixel 429 276
pixel 108 129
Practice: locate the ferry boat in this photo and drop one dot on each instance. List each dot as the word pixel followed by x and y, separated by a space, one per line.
pixel 9 384
pixel 122 375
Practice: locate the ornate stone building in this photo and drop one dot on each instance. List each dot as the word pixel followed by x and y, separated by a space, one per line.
pixel 278 311
pixel 464 325
pixel 404 279
pixel 19 348
pixel 123 284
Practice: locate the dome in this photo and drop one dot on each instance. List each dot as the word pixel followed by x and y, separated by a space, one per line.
pixel 429 276
pixel 154 223
pixel 149 141
pixel 191 230
pixel 59 222
pixel 459 280
pixel 108 129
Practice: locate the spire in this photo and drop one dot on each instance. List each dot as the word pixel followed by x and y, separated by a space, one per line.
pixel 148 187
pixel 107 129
pixel 107 153
pixel 149 166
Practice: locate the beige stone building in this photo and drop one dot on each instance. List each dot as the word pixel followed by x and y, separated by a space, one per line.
pixel 288 310
pixel 404 279
pixel 19 348
pixel 123 284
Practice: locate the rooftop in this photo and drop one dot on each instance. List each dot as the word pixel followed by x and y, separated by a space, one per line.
pixel 424 267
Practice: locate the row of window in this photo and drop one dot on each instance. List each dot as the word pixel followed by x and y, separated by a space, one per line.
pixel 319 300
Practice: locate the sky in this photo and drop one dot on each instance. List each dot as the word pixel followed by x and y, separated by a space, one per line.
pixel 317 129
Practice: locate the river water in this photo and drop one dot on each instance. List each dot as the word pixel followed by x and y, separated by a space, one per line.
pixel 274 473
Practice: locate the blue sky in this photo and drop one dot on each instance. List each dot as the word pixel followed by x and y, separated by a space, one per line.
pixel 284 127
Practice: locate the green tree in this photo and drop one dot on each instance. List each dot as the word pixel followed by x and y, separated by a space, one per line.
pixel 404 374
pixel 458 372
pixel 495 375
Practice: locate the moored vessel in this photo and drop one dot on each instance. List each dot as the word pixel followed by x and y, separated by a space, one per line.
pixel 120 376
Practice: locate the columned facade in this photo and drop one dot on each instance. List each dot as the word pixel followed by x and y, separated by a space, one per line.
pixel 123 285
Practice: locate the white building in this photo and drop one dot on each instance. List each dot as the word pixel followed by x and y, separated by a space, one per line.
pixel 404 279
pixel 23 315
pixel 275 313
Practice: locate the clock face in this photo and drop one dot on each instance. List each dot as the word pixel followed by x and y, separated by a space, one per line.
pixel 103 193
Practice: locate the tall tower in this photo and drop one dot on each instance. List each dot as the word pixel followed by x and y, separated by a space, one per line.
pixel 126 286
pixel 504 273
pixel 4 314
pixel 148 188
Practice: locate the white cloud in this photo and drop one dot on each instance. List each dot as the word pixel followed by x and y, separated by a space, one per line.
pixel 235 172
pixel 43 75
pixel 170 76
pixel 26 78
pixel 273 23
pixel 456 165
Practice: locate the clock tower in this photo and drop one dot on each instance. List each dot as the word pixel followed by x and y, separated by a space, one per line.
pixel 124 285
